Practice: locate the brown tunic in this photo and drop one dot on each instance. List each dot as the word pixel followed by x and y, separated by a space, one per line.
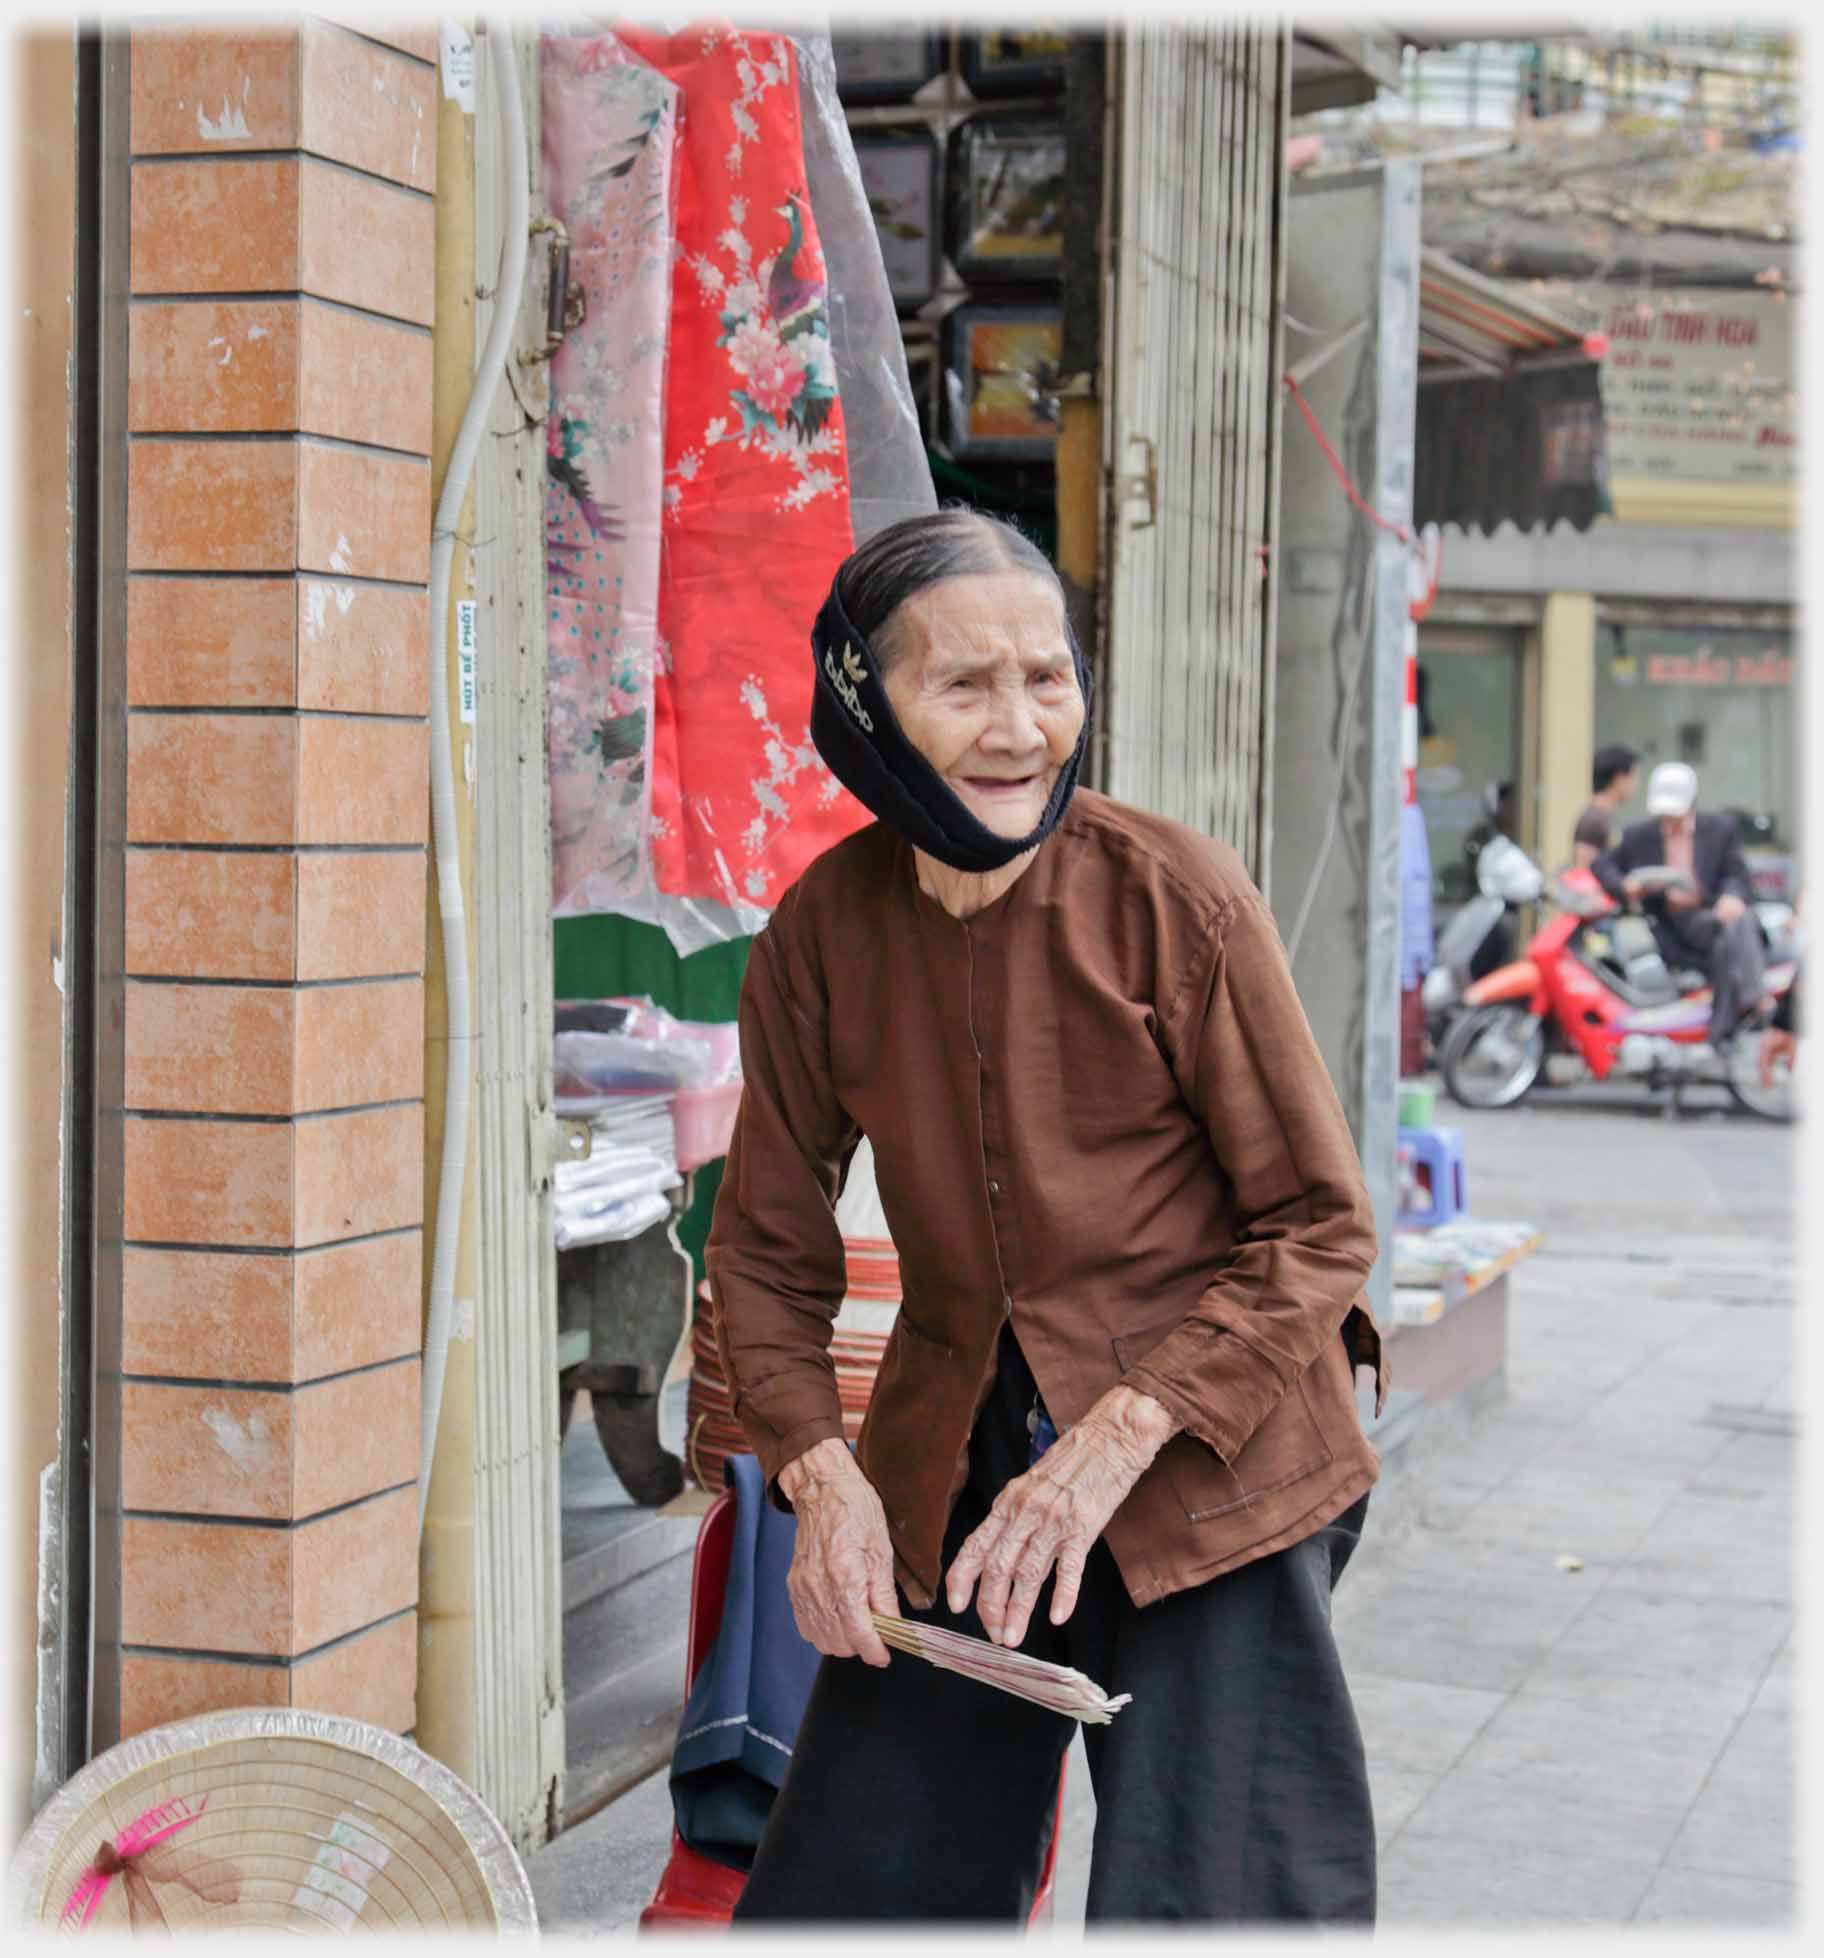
pixel 1096 1109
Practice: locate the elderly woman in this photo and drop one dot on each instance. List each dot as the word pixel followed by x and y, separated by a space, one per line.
pixel 1129 1216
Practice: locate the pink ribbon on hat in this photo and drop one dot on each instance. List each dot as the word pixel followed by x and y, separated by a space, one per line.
pixel 114 1858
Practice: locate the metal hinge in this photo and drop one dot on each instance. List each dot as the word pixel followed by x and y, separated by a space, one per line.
pixel 566 301
pixel 1146 483
pixel 560 1139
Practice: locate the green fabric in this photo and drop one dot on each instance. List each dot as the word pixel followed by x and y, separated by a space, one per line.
pixel 615 958
pixel 693 1226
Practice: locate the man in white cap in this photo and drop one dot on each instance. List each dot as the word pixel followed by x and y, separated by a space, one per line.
pixel 1709 924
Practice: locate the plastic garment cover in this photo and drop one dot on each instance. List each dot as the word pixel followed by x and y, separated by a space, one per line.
pixel 623 1186
pixel 602 731
pixel 609 129
pixel 889 473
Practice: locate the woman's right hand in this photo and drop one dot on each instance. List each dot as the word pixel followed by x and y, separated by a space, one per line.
pixel 842 1565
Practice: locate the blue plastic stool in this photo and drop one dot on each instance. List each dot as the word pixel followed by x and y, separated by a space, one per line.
pixel 1435 1157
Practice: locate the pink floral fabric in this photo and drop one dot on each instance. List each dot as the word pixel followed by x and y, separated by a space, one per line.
pixel 610 132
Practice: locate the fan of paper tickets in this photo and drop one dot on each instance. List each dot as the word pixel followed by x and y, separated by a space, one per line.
pixel 858 1341
pixel 1060 1688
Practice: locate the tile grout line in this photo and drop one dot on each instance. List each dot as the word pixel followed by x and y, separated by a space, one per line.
pixel 1709 1775
pixel 294 153
pixel 282 1662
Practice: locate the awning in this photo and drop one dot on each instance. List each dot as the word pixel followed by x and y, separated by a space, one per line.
pixel 1510 424
pixel 1469 325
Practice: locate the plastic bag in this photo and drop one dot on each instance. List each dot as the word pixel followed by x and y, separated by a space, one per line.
pixel 635 1046
pixel 623 1186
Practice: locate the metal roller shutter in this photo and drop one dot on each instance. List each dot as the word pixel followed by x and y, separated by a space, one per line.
pixel 1191 364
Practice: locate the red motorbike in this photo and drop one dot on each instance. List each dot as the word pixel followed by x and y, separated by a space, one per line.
pixel 1593 999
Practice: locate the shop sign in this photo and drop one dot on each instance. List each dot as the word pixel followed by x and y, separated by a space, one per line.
pixel 1700 386
pixel 1706 668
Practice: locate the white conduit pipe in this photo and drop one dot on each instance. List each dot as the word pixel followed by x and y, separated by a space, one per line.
pixel 457 979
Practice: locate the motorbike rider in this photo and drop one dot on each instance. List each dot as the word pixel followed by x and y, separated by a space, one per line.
pixel 1615 777
pixel 1707 923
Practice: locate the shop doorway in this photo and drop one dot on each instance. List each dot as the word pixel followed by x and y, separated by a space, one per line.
pixel 1470 776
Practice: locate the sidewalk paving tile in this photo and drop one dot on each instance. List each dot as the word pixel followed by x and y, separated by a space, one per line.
pixel 600 1875
pixel 1587 1524
pixel 1719 1368
pixel 1687 1896
pixel 1418 1725
pixel 1396 1793
pixel 1481 1810
pixel 1651 1440
pixel 1778 1693
pixel 1666 1635
pixel 1433 1880
pixel 1589 1377
pixel 1711 1711
pixel 1743 1822
pixel 1769 1462
pixel 1750 1571
pixel 1603 1748
pixel 1633 1494
pixel 1455 1637
pixel 1470 1554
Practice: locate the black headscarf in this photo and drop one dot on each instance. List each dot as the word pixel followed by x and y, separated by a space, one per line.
pixel 857 734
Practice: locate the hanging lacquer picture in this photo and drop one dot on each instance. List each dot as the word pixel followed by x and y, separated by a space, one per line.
pixel 899 175
pixel 1001 375
pixel 1007 199
pixel 884 67
pixel 1025 60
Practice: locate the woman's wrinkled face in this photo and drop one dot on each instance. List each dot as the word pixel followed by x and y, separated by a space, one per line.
pixel 980 676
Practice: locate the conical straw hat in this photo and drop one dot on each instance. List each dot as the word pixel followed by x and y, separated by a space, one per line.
pixel 275 1819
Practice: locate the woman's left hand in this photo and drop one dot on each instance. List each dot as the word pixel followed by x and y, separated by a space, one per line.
pixel 1054 1513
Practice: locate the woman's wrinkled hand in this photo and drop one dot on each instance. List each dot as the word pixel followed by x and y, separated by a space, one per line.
pixel 842 1565
pixel 1053 1514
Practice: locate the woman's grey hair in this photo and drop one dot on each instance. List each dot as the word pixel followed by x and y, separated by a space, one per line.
pixel 906 558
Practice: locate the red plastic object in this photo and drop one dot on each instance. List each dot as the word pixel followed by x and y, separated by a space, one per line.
pixel 703 1121
pixel 696 1893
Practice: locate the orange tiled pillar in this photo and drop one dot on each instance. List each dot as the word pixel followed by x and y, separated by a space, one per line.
pixel 278 527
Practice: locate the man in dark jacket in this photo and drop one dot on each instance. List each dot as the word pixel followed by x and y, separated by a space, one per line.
pixel 1710 924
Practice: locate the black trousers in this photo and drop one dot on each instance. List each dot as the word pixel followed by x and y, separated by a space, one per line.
pixel 1733 954
pixel 1233 1788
